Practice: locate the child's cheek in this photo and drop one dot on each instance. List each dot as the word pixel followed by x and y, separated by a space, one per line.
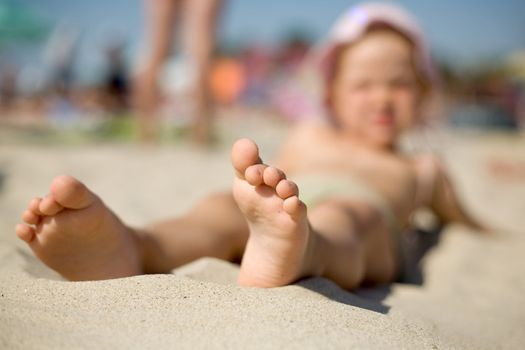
pixel 405 98
pixel 406 106
pixel 359 98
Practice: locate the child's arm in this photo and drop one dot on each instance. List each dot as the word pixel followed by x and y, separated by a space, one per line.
pixel 445 202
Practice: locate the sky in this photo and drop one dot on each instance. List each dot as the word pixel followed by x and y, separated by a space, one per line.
pixel 458 30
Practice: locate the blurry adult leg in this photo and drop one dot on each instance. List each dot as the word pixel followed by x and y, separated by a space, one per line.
pixel 201 18
pixel 160 18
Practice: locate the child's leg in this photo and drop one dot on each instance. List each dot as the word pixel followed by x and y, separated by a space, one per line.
pixel 214 227
pixel 343 240
pixel 354 243
pixel 74 233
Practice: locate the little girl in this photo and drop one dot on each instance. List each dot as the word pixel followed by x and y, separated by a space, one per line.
pixel 335 206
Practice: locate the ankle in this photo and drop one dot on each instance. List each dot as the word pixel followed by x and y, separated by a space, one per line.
pixel 140 240
pixel 315 261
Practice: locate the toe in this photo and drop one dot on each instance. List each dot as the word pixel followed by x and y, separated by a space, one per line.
pixel 49 206
pixel 272 176
pixel 294 207
pixel 30 217
pixel 25 232
pixel 244 154
pixel 34 205
pixel 71 193
pixel 286 189
pixel 254 174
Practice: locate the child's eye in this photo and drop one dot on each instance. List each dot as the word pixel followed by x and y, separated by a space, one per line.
pixel 402 83
pixel 360 86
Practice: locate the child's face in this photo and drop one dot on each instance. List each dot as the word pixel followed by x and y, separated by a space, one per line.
pixel 375 94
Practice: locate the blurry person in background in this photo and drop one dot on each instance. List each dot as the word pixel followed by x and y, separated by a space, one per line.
pixel 258 66
pixel 200 21
pixel 60 55
pixel 8 76
pixel 116 85
pixel 227 80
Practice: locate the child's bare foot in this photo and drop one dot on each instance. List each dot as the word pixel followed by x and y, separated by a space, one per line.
pixel 74 233
pixel 277 252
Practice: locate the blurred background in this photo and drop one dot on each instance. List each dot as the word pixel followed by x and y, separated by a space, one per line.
pixel 67 67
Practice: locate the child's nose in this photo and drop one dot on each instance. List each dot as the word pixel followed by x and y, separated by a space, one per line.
pixel 383 95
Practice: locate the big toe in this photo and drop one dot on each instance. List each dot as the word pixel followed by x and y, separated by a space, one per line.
pixel 244 154
pixel 71 193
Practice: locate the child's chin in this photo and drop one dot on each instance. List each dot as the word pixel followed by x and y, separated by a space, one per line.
pixel 384 139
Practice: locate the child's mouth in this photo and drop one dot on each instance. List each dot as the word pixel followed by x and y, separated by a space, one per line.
pixel 383 119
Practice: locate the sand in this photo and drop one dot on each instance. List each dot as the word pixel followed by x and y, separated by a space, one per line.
pixel 470 295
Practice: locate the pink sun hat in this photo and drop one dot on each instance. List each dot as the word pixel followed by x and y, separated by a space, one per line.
pixel 354 23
